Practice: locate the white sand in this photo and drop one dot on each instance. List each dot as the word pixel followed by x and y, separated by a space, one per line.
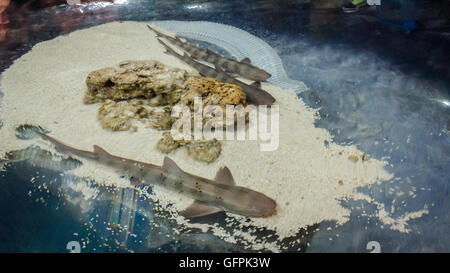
pixel 46 86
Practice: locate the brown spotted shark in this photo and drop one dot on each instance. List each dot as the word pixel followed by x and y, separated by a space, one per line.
pixel 211 196
pixel 253 93
pixel 243 68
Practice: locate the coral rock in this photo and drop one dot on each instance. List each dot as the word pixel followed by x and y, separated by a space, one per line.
pixel 212 92
pixel 128 90
pixel 205 150
pixel 161 120
pixel 119 116
pixel 137 79
pixel 167 144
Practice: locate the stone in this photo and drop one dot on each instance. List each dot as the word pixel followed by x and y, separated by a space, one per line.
pixel 212 92
pixel 167 144
pixel 161 120
pixel 132 90
pixel 137 79
pixel 204 150
pixel 120 116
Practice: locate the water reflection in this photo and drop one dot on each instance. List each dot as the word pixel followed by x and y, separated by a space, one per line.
pixel 123 212
pixel 114 219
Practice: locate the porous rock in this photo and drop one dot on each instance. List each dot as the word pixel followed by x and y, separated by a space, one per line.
pixel 137 79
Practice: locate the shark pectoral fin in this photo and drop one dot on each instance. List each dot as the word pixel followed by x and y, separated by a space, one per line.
pixel 246 61
pixel 170 166
pixel 224 176
pixel 199 208
pixel 257 84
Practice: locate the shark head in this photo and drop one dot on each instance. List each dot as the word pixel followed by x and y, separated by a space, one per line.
pixel 251 203
pixel 261 206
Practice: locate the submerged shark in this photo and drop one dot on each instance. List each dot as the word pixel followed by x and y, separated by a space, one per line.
pixel 210 196
pixel 243 68
pixel 253 93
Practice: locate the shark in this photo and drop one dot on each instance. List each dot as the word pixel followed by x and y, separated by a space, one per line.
pixel 253 93
pixel 211 196
pixel 243 68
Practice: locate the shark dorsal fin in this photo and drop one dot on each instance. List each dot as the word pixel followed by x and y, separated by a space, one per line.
pixel 224 176
pixel 170 166
pixel 100 151
pixel 246 61
pixel 199 208
pixel 209 51
pixel 257 84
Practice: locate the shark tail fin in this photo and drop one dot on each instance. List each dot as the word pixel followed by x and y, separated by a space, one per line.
pixel 158 34
pixel 150 28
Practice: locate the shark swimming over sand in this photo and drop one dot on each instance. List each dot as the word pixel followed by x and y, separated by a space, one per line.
pixel 243 68
pixel 253 93
pixel 211 196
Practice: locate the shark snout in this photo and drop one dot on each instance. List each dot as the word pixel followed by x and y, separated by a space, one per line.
pixel 264 75
pixel 269 208
pixel 262 206
pixel 259 75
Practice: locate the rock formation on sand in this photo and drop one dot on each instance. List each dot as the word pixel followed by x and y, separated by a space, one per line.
pixel 146 91
pixel 137 79
pixel 203 150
